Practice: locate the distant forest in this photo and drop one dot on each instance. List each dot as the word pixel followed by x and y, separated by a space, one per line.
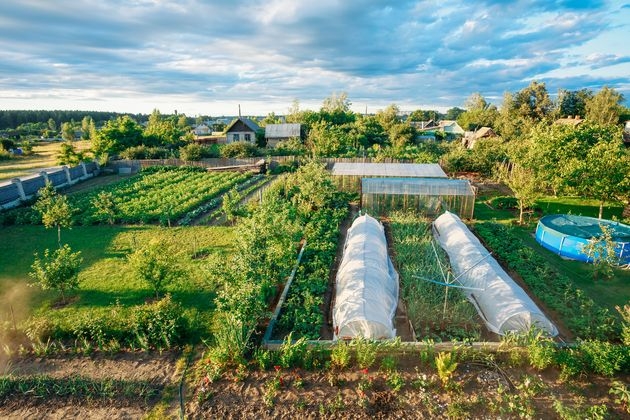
pixel 12 119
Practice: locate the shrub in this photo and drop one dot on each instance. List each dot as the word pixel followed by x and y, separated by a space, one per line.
pixel 145 152
pixel 340 355
pixel 239 149
pixel 445 364
pixel 541 352
pixel 194 152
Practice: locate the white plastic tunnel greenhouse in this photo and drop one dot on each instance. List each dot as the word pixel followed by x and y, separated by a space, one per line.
pixel 502 304
pixel 366 286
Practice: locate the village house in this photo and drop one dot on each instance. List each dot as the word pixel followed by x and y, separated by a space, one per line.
pixel 275 133
pixel 241 129
pixel 471 137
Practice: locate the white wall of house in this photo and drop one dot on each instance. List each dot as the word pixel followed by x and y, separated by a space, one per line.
pixel 235 136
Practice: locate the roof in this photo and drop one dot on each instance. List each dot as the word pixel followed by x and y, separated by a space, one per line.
pixel 249 123
pixel 570 120
pixel 485 132
pixel 282 130
pixel 416 186
pixel 446 123
pixel 408 170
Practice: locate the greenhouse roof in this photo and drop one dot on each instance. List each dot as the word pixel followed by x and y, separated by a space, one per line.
pixel 409 170
pixel 416 186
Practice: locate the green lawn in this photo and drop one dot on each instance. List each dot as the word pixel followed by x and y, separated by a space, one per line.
pixel 105 277
pixel 608 293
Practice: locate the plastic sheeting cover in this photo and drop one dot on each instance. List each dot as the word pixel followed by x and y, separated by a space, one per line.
pixel 501 303
pixel 367 284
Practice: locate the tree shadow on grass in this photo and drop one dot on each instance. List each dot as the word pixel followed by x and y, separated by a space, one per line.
pixel 203 300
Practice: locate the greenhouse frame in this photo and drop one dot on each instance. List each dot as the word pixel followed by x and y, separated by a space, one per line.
pixel 501 303
pixel 348 175
pixel 430 195
pixel 366 293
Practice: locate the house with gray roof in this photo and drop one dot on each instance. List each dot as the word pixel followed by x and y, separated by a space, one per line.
pixel 275 133
pixel 241 129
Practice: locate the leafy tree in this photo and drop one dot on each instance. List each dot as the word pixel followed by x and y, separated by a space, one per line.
pixel 336 109
pixel 54 209
pixel 105 206
pixel 388 116
pixel 604 107
pixel 294 115
pixel 366 132
pixel 328 140
pixel 52 125
pixel 88 129
pixel 533 101
pixel 573 102
pixel 67 131
pixel 271 118
pixel 182 122
pixel 58 270
pixel 117 135
pixel 589 159
pixel 453 113
pixel 312 187
pixel 479 113
pixel 401 135
pixel 603 173
pixel 425 115
pixel 601 249
pixel 161 131
pixel 510 124
pixel 68 154
pixel 523 183
pixel 155 265
pixel 231 204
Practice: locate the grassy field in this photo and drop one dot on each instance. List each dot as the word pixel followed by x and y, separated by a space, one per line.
pixel 105 276
pixel 608 293
pixel 44 156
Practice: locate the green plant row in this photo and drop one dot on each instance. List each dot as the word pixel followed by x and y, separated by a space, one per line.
pixel 157 194
pixel 302 312
pixel 244 187
pixel 416 262
pixel 578 311
pixel 76 387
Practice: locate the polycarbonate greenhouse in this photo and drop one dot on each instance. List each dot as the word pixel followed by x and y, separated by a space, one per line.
pixel 502 304
pixel 366 286
pixel 431 195
pixel 348 175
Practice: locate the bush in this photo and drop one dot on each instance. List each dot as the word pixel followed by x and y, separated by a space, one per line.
pixel 4 155
pixel 145 152
pixel 194 152
pixel 7 144
pixel 239 149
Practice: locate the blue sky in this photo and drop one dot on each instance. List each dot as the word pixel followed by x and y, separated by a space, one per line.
pixel 206 57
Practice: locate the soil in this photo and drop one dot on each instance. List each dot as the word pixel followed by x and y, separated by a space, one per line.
pixel 476 390
pixel 158 369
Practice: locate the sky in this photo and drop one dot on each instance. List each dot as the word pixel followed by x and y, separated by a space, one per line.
pixel 207 57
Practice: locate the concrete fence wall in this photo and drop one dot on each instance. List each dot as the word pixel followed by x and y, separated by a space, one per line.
pixel 133 166
pixel 14 192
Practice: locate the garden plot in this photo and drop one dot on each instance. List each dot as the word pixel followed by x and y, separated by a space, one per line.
pixel 425 311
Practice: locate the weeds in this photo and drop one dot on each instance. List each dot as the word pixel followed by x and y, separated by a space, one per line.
pixel 43 386
pixel 340 356
pixel 445 364
pixel 366 352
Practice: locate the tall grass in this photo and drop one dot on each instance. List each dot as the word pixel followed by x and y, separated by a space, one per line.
pixel 416 262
